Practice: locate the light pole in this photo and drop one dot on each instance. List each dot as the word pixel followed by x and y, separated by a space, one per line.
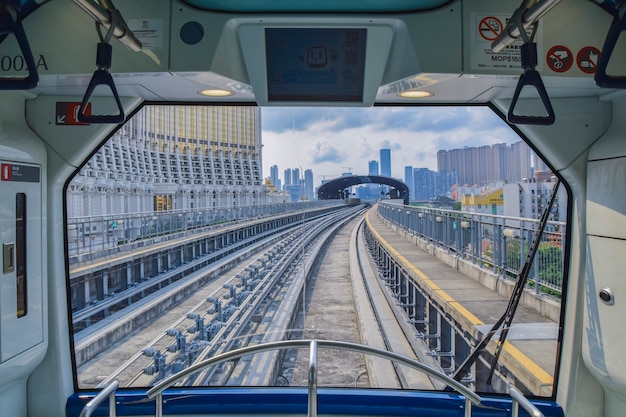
pixel 303 278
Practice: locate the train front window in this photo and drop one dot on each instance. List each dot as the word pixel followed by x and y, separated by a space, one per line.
pixel 197 230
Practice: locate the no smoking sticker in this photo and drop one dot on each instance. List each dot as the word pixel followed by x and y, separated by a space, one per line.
pixel 559 58
pixel 587 59
pixel 486 29
pixel 489 28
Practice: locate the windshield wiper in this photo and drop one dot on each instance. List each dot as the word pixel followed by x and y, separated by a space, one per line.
pixel 507 318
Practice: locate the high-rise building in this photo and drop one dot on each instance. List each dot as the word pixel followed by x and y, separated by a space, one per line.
pixel 288 177
pixel 372 168
pixel 408 180
pixel 424 183
pixel 295 177
pixel 169 157
pixel 308 184
pixel 529 198
pixel 480 165
pixel 385 162
pixel 274 176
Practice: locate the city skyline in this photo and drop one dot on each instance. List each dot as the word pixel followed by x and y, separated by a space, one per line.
pixel 329 141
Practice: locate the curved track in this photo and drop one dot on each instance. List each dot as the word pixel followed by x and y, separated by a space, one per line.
pixel 261 302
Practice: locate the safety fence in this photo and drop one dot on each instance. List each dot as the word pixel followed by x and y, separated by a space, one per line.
pixel 499 243
pixel 99 233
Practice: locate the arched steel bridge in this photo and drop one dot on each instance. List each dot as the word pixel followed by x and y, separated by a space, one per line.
pixel 335 188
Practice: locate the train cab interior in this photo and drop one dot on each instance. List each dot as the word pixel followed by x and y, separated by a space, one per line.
pixel 72 72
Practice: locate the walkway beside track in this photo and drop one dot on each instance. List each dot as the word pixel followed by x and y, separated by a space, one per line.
pixel 531 349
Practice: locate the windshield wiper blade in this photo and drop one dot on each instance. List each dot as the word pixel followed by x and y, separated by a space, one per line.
pixel 507 318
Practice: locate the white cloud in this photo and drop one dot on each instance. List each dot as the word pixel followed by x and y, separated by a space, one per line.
pixel 334 140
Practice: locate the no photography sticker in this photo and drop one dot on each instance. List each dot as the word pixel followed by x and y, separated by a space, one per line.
pixel 559 58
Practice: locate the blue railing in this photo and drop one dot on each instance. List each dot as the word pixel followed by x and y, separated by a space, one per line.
pixel 499 243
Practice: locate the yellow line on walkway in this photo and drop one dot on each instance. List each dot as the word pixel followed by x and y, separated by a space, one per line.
pixel 524 360
pixel 544 377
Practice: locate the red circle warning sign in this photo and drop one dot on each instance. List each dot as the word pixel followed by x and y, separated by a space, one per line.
pixel 559 58
pixel 587 59
pixel 489 28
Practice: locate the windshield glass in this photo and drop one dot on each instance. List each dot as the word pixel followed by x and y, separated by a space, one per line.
pixel 198 230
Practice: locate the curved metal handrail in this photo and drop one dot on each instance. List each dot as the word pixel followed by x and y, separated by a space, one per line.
pixel 107 392
pixel 520 399
pixel 157 390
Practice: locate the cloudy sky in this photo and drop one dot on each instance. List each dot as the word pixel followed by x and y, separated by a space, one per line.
pixel 331 140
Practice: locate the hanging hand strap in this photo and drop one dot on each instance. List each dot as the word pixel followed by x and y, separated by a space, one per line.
pixel 10 24
pixel 102 76
pixel 618 26
pixel 529 78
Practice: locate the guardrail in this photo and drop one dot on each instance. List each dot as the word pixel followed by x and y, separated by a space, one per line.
pixel 500 243
pixel 157 391
pixel 99 233
pixel 471 398
pixel 107 392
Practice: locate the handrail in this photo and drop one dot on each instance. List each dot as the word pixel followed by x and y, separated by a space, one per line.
pixel 103 17
pixel 312 409
pixel 108 391
pixel 528 18
pixel 157 391
pixel 520 399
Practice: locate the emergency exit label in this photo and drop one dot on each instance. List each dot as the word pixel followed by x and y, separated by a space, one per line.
pixel 67 113
pixel 19 173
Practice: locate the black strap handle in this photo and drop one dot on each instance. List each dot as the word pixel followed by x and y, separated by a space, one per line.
pixel 601 78
pixel 8 26
pixel 102 76
pixel 531 78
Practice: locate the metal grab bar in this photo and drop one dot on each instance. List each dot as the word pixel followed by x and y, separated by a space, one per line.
pixel 103 17
pixel 520 399
pixel 312 409
pixel 157 391
pixel 528 16
pixel 108 391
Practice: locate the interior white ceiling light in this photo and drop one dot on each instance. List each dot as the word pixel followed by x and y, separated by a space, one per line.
pixel 214 92
pixel 415 94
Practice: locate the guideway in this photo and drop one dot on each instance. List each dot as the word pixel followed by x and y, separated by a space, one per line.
pixel 453 312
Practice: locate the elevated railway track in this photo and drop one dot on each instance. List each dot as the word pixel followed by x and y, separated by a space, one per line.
pixel 260 300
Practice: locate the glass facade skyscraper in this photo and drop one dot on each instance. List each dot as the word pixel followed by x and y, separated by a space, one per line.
pixel 385 162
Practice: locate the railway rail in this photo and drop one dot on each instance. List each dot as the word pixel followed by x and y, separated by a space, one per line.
pixel 229 313
pixel 258 303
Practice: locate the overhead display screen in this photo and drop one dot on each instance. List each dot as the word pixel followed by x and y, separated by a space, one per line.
pixel 314 64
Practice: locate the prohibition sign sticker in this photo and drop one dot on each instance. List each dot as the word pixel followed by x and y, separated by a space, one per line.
pixel 559 58
pixel 587 59
pixel 489 28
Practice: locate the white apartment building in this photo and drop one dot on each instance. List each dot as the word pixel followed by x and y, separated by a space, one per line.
pixel 169 157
